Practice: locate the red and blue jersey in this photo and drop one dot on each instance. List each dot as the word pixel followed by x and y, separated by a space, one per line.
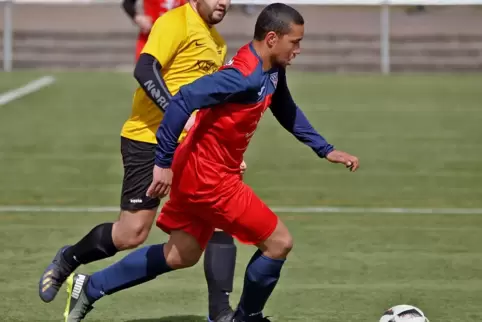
pixel 231 103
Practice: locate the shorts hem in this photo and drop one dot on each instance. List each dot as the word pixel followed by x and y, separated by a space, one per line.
pixel 262 238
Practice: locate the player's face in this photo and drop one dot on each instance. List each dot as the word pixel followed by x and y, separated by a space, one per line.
pixel 288 46
pixel 213 11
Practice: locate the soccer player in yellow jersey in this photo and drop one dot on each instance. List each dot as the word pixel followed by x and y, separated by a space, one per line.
pixel 183 46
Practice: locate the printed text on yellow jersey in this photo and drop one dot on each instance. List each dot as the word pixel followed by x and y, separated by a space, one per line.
pixel 187 49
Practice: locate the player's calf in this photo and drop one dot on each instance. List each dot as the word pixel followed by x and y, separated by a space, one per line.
pixel 262 274
pixel 219 267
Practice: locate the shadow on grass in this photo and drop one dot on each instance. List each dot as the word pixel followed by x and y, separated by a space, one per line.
pixel 177 318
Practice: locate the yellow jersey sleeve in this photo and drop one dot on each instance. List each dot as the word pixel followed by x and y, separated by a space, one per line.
pixel 182 136
pixel 167 35
pixel 184 132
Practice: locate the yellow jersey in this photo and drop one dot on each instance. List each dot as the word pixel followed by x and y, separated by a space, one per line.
pixel 187 48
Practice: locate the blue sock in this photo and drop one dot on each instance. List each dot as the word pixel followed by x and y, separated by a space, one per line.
pixel 261 277
pixel 138 267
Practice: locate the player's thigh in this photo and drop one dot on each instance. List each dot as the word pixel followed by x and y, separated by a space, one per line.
pixel 138 160
pixel 176 216
pixel 137 210
pixel 254 223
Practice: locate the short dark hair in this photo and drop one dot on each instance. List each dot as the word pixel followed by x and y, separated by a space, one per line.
pixel 276 17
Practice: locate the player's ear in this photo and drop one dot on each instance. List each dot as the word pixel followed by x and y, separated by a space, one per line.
pixel 271 39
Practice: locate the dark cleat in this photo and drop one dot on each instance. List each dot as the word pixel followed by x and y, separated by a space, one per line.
pixel 238 317
pixel 225 316
pixel 53 277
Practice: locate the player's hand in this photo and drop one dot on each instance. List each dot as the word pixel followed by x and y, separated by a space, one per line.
pixel 144 22
pixel 350 161
pixel 161 182
pixel 243 167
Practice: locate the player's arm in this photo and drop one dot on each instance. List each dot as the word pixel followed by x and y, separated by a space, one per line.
pixel 161 47
pixel 129 7
pixel 210 90
pixel 292 118
pixel 148 74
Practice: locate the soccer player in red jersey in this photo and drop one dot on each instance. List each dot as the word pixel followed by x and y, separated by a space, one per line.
pixel 183 45
pixel 202 173
pixel 153 9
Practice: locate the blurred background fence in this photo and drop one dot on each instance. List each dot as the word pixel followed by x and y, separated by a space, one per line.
pixel 341 35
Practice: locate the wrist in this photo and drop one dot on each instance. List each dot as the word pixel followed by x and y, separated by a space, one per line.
pixel 327 150
pixel 162 163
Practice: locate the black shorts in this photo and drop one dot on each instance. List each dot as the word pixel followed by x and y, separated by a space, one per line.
pixel 138 159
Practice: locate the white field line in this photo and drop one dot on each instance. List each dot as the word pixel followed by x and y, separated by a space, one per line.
pixel 310 210
pixel 27 89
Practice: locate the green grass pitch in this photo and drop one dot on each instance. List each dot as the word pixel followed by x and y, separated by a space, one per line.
pixel 419 139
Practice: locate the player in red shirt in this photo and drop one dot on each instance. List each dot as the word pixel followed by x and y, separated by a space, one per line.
pixel 206 189
pixel 153 9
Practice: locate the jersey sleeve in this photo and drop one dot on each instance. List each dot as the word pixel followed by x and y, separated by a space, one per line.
pixel 292 118
pixel 147 73
pixel 166 36
pixel 211 90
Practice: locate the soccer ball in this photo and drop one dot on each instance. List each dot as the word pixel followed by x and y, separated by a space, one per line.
pixel 403 313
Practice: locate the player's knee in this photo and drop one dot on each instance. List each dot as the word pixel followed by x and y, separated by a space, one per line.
pixel 136 237
pixel 182 250
pixel 282 247
pixel 132 229
pixel 288 245
pixel 279 244
pixel 180 262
